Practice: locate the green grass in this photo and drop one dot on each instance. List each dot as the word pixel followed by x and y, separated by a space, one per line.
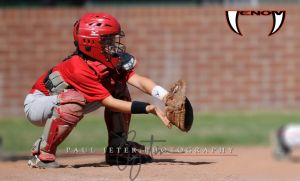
pixel 220 128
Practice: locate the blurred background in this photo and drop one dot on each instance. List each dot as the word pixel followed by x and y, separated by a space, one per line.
pixel 241 87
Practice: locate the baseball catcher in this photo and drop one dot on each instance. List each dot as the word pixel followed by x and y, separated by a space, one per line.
pixel 96 75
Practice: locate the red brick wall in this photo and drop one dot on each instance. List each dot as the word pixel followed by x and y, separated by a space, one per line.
pixel 224 71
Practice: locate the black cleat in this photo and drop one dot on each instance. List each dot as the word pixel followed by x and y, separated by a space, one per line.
pixel 125 155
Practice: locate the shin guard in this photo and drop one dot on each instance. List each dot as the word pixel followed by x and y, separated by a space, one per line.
pixel 58 127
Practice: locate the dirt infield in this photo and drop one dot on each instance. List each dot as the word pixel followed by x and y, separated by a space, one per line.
pixel 245 163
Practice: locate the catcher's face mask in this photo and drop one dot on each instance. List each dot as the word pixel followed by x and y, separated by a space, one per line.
pixel 112 44
pixel 115 52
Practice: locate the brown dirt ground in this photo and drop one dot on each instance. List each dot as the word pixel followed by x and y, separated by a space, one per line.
pixel 248 163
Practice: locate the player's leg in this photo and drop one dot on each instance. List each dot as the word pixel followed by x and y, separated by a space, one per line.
pixel 65 116
pixel 118 123
pixel 38 107
pixel 118 126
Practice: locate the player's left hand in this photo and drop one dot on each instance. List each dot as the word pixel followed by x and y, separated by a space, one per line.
pixel 159 113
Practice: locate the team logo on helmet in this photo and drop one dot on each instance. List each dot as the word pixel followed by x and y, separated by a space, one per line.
pixel 94 33
pixel 232 19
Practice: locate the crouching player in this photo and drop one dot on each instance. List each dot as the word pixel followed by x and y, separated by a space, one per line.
pixel 95 75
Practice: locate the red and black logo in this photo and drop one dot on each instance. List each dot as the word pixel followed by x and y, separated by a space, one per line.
pixel 232 19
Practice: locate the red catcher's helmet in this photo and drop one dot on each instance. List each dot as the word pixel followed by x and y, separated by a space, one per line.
pixel 98 36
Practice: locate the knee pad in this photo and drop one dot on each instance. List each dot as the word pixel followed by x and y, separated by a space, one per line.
pixel 71 106
pixel 71 96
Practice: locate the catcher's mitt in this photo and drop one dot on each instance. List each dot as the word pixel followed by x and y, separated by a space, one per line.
pixel 179 110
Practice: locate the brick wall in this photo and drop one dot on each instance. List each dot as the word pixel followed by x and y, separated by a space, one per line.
pixel 224 71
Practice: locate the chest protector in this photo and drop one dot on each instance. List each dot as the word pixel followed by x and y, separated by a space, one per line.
pixel 107 77
pixel 100 70
pixel 55 83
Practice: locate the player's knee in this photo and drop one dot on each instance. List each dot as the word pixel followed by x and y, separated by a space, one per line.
pixel 71 96
pixel 71 106
pixel 71 113
pixel 38 108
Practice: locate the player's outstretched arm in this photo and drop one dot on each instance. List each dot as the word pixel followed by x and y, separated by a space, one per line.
pixel 117 104
pixel 134 107
pixel 148 86
pixel 143 83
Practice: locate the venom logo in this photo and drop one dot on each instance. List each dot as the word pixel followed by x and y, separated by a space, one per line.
pixel 232 19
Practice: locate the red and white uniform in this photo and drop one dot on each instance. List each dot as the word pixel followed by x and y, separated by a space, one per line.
pixel 81 85
pixel 90 78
